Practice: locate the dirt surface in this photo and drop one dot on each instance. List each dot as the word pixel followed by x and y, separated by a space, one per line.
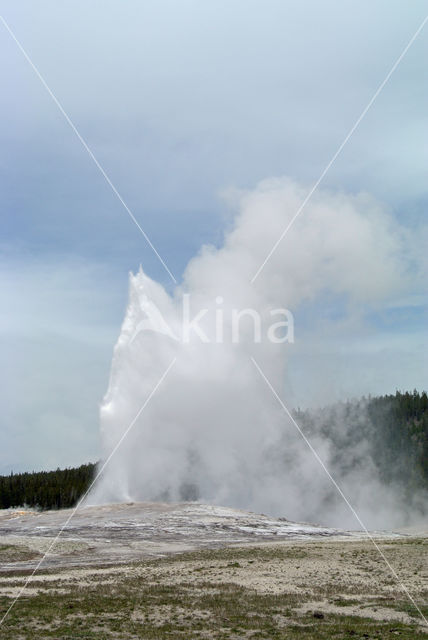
pixel 195 571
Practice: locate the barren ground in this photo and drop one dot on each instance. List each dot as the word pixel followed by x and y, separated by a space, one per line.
pixel 194 571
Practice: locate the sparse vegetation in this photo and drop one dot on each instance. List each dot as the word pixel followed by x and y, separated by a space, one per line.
pixel 225 595
pixel 15 553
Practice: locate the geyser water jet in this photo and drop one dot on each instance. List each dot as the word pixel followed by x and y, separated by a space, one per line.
pixel 213 431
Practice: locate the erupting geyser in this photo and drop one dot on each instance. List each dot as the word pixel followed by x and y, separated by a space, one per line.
pixel 213 430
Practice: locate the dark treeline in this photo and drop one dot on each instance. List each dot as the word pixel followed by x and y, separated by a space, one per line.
pixel 400 438
pixel 391 431
pixel 45 489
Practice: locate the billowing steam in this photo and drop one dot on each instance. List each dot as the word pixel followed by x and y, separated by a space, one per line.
pixel 213 430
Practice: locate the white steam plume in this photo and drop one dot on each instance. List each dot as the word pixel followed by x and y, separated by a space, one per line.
pixel 213 431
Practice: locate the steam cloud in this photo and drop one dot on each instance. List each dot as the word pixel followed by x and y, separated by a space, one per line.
pixel 213 431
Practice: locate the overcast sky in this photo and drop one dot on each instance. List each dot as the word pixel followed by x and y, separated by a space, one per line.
pixel 180 102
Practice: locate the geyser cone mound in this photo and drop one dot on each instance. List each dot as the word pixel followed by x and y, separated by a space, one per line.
pixel 122 532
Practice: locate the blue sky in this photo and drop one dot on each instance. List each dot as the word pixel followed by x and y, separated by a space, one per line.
pixel 180 101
